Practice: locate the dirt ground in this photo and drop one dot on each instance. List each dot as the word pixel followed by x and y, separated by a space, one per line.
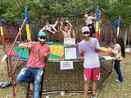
pixel 109 89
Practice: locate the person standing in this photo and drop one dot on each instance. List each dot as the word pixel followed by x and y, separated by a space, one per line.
pixel 89 19
pixel 67 29
pixel 118 53
pixel 36 63
pixel 89 48
pixel 50 28
pixel 90 22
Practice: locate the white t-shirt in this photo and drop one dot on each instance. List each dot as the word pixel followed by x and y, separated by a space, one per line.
pixel 91 58
pixel 117 52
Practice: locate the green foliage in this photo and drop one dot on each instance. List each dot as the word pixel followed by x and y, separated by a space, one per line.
pixel 40 9
pixel 115 8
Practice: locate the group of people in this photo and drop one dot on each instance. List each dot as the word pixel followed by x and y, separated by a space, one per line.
pixel 61 25
pixel 89 48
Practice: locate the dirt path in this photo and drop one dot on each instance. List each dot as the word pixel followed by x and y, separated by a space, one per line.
pixel 111 89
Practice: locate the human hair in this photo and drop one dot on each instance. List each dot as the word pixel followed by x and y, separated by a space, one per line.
pixel 66 24
pixel 121 43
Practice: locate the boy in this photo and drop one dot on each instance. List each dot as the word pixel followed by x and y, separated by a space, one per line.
pixel 89 47
pixel 36 63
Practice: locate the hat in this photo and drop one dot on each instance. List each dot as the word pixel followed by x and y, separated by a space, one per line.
pixel 85 29
pixel 42 33
pixel 42 36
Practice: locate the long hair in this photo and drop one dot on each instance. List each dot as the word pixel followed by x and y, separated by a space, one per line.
pixel 121 43
pixel 92 29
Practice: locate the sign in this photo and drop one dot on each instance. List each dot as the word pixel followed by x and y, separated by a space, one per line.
pixel 66 65
pixel 70 53
pixel 69 41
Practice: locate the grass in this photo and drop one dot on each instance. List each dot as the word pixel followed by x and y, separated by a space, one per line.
pixel 109 89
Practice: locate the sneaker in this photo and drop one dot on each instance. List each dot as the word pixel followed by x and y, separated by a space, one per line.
pixel 118 81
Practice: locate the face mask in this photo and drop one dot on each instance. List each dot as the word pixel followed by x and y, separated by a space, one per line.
pixel 86 34
pixel 42 38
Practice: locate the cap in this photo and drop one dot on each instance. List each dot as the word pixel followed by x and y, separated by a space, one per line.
pixel 42 33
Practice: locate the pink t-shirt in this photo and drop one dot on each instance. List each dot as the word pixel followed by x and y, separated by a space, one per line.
pixel 37 56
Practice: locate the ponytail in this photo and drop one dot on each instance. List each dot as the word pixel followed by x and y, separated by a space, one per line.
pixel 121 43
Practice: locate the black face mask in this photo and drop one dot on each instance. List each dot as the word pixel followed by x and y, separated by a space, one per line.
pixel 86 32
pixel 42 37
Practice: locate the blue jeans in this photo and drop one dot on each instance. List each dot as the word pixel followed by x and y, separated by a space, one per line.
pixel 118 70
pixel 26 74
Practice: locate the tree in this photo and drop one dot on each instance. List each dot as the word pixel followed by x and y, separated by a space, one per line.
pixel 39 9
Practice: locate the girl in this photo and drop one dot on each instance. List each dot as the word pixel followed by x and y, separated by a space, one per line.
pixel 67 30
pixel 118 52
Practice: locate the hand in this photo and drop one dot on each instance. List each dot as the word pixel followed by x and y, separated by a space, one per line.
pixel 105 51
pixel 21 44
pixel 110 51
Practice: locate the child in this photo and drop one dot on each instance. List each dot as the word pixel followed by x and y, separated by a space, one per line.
pixel 89 19
pixel 51 28
pixel 67 30
pixel 35 64
pixel 89 47
pixel 118 52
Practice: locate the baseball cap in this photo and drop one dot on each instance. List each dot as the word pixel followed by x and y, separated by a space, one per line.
pixel 42 34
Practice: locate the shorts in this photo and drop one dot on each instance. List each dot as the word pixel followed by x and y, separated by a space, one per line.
pixel 92 74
